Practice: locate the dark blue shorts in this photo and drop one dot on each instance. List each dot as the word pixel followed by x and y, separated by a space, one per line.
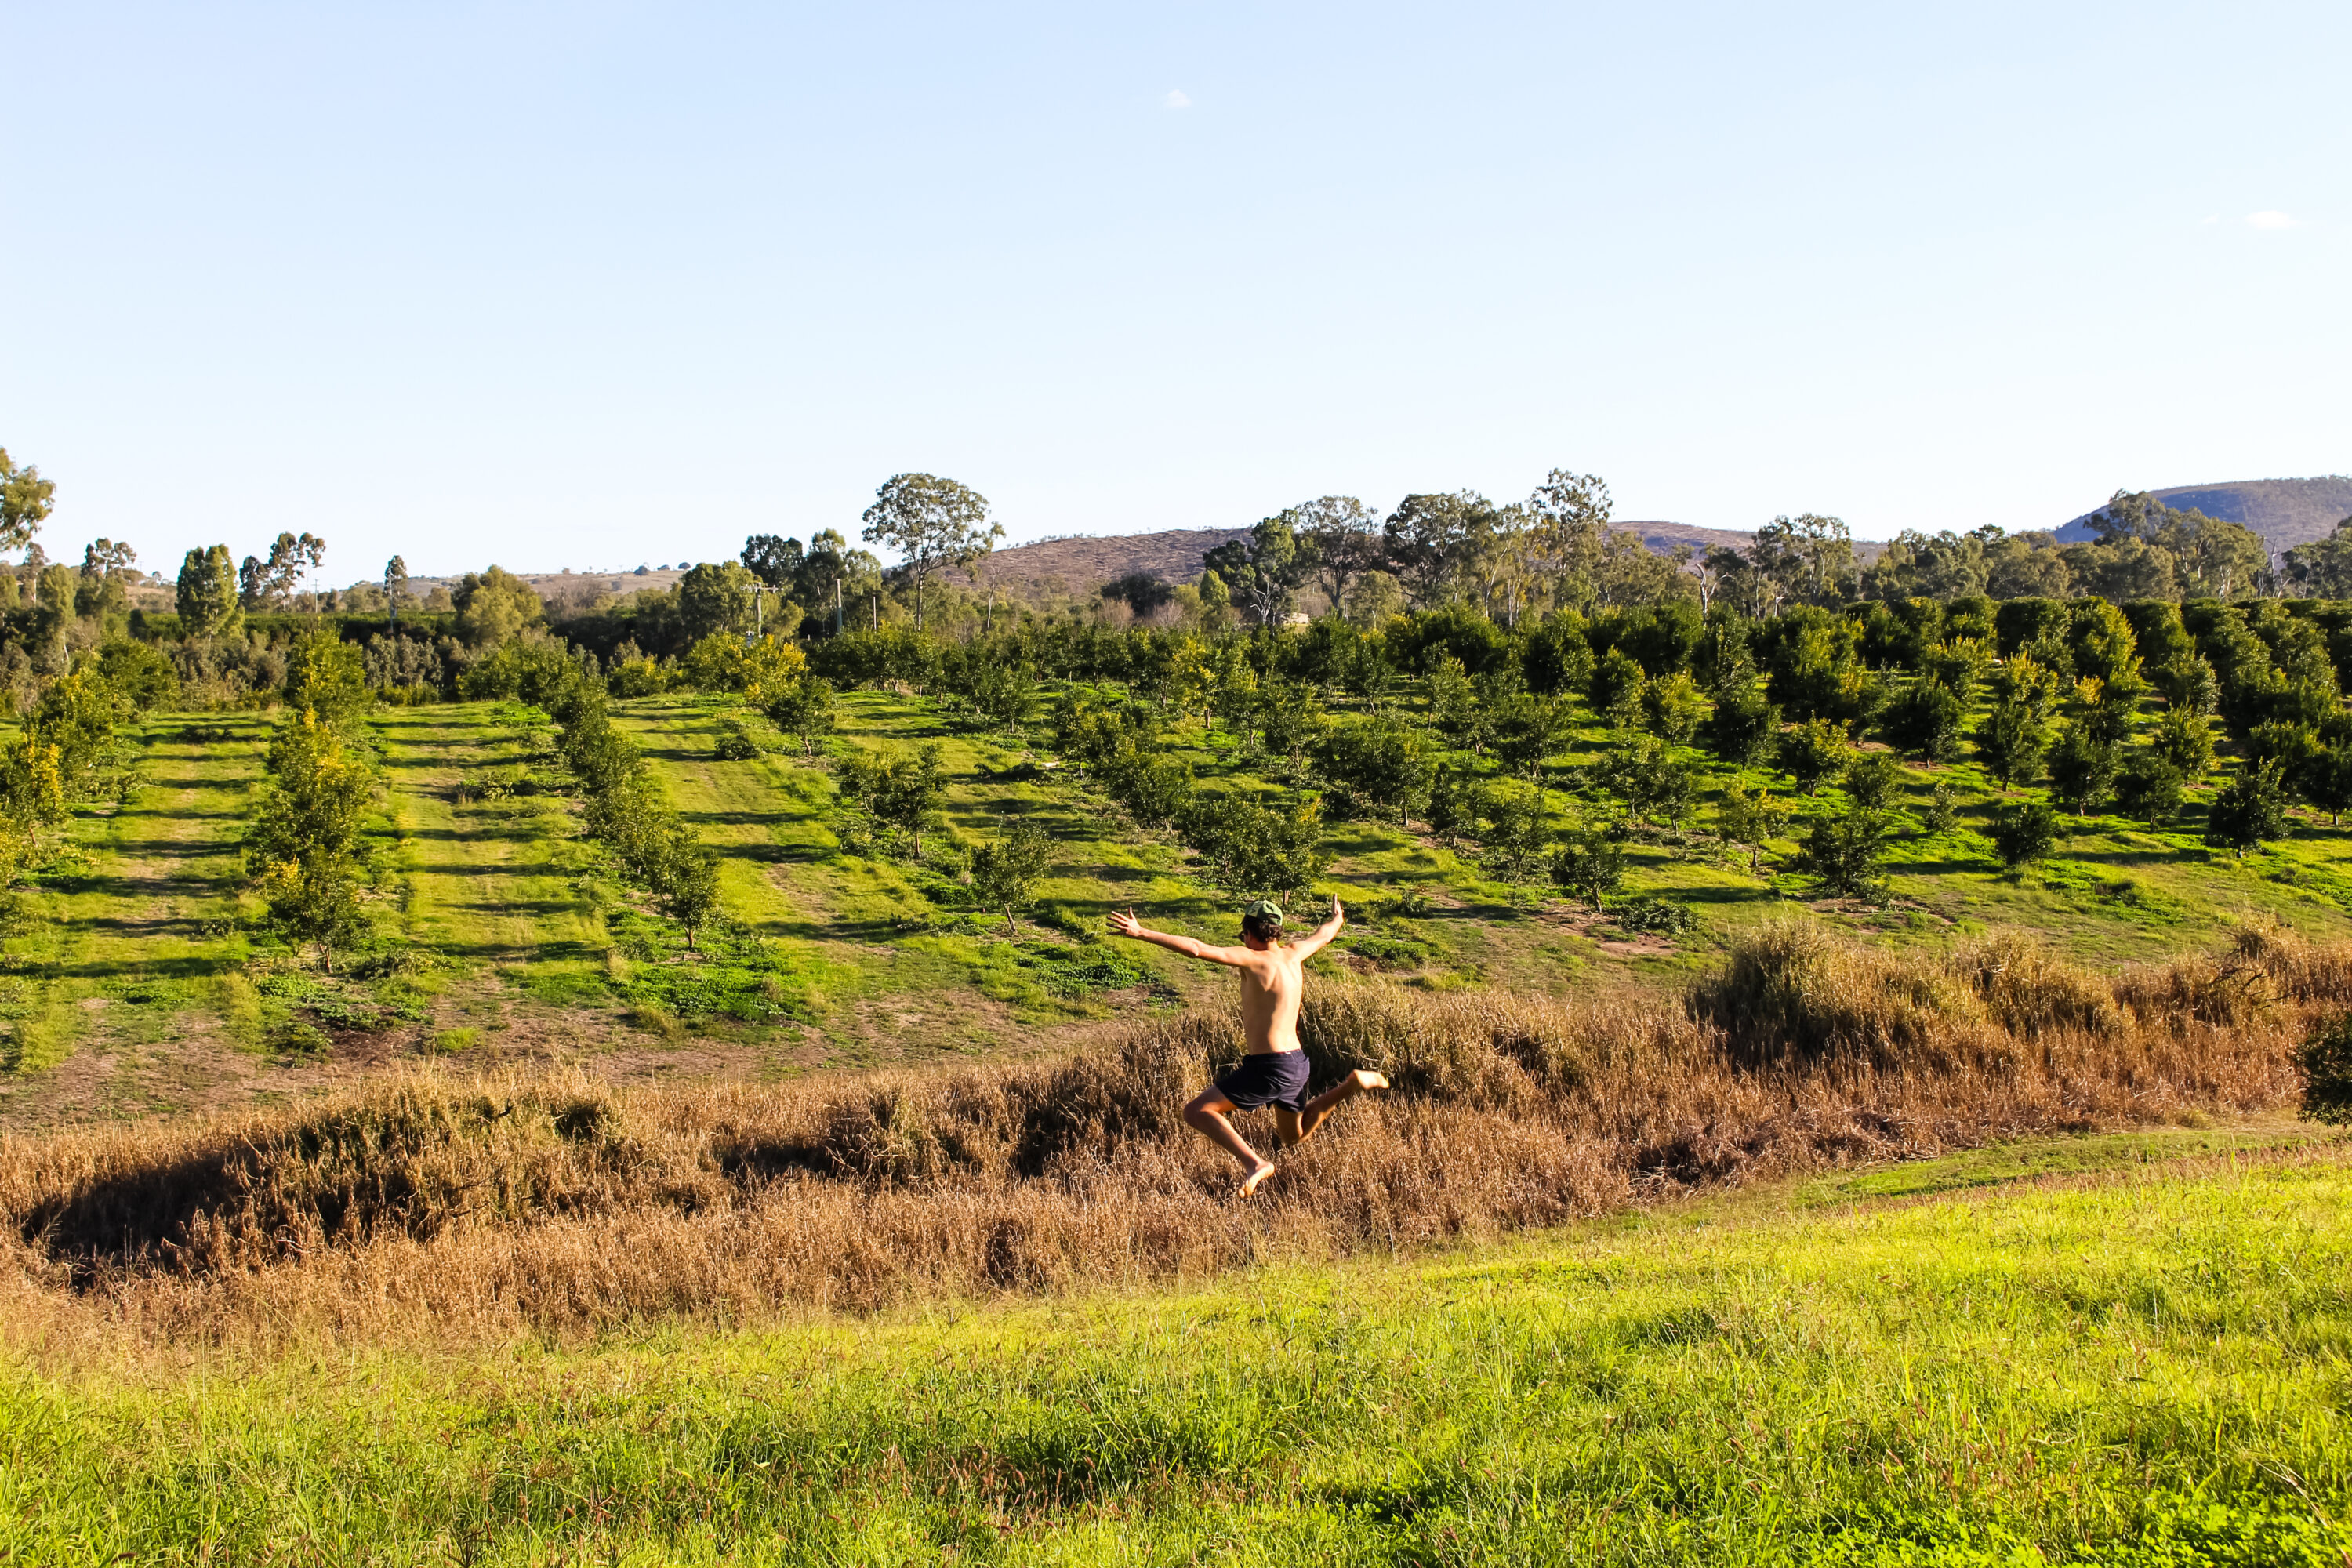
pixel 1267 1077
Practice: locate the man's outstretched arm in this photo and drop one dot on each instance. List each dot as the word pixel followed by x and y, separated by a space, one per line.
pixel 1314 941
pixel 1124 923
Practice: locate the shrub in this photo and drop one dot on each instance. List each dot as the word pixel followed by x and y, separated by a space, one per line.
pixel 1672 707
pixel 2025 833
pixel 2248 811
pixel 736 743
pixel 2011 742
pixel 1590 863
pixel 1512 828
pixel 1924 720
pixel 2083 767
pixel 1871 779
pixel 1661 916
pixel 1842 850
pixel 1744 727
pixel 1942 812
pixel 1005 869
pixel 1751 821
pixel 2150 789
pixel 1815 752
pixel 2327 1061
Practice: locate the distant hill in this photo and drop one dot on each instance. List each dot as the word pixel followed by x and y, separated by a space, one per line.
pixel 1080 565
pixel 2285 513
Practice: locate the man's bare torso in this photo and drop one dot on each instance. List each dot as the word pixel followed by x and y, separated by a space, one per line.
pixel 1271 983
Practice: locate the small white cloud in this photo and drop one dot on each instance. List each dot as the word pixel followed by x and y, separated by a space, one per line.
pixel 2215 218
pixel 1176 98
pixel 2270 220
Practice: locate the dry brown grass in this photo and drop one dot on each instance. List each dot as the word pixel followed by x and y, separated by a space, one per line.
pixel 441 1206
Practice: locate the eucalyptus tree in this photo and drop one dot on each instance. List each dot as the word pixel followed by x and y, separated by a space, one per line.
pixel 207 595
pixel 25 503
pixel 933 524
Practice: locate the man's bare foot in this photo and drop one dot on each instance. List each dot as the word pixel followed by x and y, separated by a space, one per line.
pixel 1251 1183
pixel 1365 1077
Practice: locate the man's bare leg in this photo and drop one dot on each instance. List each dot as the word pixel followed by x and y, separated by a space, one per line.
pixel 1296 1127
pixel 1207 1114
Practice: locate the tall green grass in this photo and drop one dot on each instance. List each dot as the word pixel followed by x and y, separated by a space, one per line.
pixel 2146 1368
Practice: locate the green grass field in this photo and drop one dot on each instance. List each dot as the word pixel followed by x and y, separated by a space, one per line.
pixel 2127 1349
pixel 148 983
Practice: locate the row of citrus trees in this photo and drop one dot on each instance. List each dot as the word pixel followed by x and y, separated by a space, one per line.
pixel 308 853
pixel 67 751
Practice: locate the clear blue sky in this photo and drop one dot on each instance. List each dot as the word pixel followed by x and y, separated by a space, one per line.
pixel 588 286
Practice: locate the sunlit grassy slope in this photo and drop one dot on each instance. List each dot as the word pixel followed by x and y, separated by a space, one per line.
pixel 137 988
pixel 2126 1350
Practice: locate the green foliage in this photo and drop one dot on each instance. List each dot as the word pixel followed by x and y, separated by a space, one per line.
pixel 1252 849
pixel 1744 728
pixel 2188 683
pixel 1512 830
pixel 714 599
pixel 1751 821
pixel 303 851
pixel 804 707
pixel 2327 1061
pixel 1004 869
pixel 2010 740
pixel 137 672
pixel 932 522
pixel 1589 862
pixel 1672 706
pixel 1871 778
pixel 1924 719
pixel 207 595
pixel 1654 784
pixel 1263 569
pixel 1661 917
pixel 899 790
pixel 1815 752
pixel 495 607
pixel 1942 812
pixel 2250 811
pixel 2184 738
pixel 2324 778
pixel 1453 805
pixel 2082 768
pixel 1615 687
pixel 2150 789
pixel 683 880
pixel 327 676
pixel 1083 971
pixel 1529 729
pixel 2024 833
pixel 1845 853
pixel 1384 761
pixel 736 743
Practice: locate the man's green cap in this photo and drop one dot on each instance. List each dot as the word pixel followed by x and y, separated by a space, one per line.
pixel 1262 909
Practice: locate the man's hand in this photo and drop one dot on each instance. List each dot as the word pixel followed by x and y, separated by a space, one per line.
pixel 1124 923
pixel 1339 915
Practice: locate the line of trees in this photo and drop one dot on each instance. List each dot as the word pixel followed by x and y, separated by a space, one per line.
pixel 306 851
pixel 622 808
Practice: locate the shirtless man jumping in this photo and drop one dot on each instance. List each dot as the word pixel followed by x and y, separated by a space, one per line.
pixel 1273 1070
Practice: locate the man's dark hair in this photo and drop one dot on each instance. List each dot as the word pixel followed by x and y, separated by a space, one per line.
pixel 1262 928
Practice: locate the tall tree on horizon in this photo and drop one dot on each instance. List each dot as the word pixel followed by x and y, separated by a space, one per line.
pixel 25 503
pixel 932 522
pixel 395 587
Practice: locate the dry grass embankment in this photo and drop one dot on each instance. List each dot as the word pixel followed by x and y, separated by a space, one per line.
pixel 444 1207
